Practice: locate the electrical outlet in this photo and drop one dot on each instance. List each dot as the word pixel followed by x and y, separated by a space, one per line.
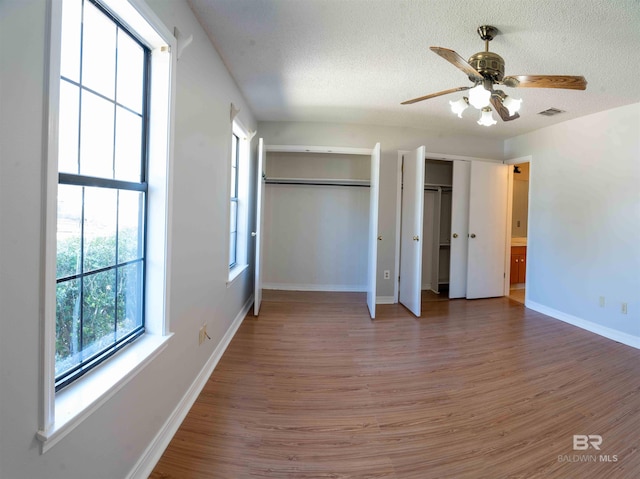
pixel 387 274
pixel 623 309
pixel 602 301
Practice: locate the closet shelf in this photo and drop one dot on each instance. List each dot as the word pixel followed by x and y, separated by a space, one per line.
pixel 445 187
pixel 317 182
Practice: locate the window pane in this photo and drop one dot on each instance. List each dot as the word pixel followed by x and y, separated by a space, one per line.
pixel 129 298
pixel 70 51
pixel 98 311
pixel 96 140
pixel 100 212
pixel 234 183
pixel 234 150
pixel 130 225
pixel 68 128
pixel 67 325
pixel 232 248
pixel 128 145
pixel 234 216
pixel 98 52
pixel 130 72
pixel 69 230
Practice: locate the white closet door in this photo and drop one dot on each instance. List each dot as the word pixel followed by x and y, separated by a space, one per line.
pixel 257 295
pixel 487 230
pixel 374 194
pixel 459 229
pixel 411 230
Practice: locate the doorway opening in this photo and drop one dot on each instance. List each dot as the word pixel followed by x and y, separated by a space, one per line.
pixel 519 231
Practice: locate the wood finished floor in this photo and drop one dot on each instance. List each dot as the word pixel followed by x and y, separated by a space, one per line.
pixel 474 389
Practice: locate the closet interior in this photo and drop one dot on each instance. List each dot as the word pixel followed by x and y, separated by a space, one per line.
pixel 316 221
pixel 436 246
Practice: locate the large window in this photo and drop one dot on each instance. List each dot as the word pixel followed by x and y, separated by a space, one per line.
pixel 102 152
pixel 111 77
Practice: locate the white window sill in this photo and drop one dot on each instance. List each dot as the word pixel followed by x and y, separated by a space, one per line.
pixel 85 395
pixel 235 272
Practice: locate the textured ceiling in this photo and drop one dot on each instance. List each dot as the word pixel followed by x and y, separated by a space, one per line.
pixel 354 61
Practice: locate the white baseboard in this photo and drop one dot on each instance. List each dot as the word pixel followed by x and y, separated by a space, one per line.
pixel 609 333
pixel 385 300
pixel 152 454
pixel 342 288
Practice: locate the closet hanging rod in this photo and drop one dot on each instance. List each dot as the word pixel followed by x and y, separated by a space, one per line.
pixel 316 182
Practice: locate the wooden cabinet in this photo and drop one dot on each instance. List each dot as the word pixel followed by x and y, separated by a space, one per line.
pixel 518 264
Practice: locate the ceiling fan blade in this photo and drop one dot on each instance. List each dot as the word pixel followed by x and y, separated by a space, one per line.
pixel 433 95
pixel 546 81
pixel 457 61
pixel 502 110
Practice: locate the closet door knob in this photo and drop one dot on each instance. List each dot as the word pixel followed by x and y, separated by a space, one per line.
pixel 416 238
pixel 473 235
pixel 253 233
pixel 455 235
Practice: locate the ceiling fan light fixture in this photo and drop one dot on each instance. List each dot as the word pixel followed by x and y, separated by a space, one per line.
pixel 479 97
pixel 459 106
pixel 512 105
pixel 486 119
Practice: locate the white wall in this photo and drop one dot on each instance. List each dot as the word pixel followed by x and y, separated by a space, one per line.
pixel 391 140
pixel 316 237
pixel 584 224
pixel 109 442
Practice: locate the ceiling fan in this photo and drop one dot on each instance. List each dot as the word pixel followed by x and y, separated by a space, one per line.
pixel 486 69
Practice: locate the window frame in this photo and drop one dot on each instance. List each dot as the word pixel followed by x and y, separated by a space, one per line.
pixel 233 228
pixel 241 179
pixel 78 179
pixel 61 412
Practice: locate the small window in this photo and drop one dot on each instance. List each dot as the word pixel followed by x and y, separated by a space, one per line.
pixel 102 192
pixel 233 223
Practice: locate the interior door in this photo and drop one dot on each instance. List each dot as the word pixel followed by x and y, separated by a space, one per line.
pixel 374 194
pixel 459 229
pixel 411 230
pixel 487 229
pixel 257 294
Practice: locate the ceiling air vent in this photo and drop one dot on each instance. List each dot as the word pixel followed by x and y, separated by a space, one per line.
pixel 551 112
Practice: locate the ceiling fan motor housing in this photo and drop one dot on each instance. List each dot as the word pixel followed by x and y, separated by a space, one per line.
pixel 490 65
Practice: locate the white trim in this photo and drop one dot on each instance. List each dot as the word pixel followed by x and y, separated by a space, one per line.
pixel 58 414
pixel 385 300
pixel 49 221
pixel 79 400
pixel 507 252
pixel 148 460
pixel 517 161
pixel 343 288
pixel 235 272
pixel 604 331
pixel 341 150
pixel 447 157
pixel 396 260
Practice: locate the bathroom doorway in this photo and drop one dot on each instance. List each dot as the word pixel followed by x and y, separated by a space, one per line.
pixel 519 231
